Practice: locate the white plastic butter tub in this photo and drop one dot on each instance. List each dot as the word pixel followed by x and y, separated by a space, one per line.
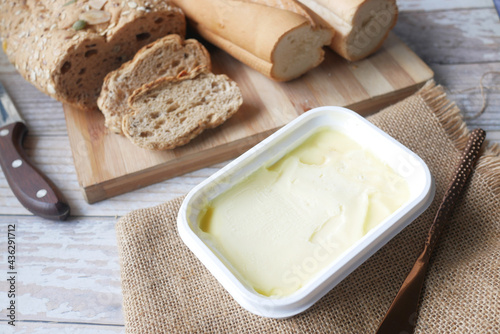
pixel 399 158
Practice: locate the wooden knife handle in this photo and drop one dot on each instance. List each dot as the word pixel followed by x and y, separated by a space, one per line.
pixel 33 189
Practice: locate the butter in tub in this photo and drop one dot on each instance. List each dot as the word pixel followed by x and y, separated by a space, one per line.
pixel 292 234
pixel 279 227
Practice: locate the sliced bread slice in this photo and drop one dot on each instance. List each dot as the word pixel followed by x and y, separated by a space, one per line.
pixel 167 57
pixel 171 111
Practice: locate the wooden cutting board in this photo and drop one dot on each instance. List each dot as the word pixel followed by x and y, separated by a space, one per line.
pixel 108 164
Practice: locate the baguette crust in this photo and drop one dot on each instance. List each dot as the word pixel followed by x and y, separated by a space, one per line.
pixel 361 25
pixel 70 65
pixel 280 43
pixel 288 5
pixel 171 111
pixel 166 57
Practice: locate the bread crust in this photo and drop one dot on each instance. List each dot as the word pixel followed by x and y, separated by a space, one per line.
pixel 252 30
pixel 70 65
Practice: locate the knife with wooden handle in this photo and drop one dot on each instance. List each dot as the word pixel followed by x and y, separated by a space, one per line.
pixel 33 189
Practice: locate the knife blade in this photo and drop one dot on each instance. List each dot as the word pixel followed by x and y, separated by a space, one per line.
pixel 32 188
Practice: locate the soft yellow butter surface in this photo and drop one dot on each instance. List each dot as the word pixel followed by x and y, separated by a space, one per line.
pixel 286 222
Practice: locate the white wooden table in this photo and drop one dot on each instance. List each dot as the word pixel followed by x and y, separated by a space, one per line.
pixel 68 275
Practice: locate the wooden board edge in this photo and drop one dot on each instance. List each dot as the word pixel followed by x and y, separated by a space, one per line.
pixel 120 185
pixel 377 103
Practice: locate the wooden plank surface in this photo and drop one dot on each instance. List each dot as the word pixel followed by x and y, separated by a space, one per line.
pixel 73 276
pixel 437 39
pixel 433 5
pixel 108 164
pixel 48 145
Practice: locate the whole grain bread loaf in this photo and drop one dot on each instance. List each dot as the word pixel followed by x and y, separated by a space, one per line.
pixel 171 111
pixel 66 47
pixel 166 57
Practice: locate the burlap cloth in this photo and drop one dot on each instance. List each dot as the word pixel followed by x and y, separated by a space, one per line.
pixel 167 290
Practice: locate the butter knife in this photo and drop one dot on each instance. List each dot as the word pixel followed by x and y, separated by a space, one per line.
pixel 33 189
pixel 403 312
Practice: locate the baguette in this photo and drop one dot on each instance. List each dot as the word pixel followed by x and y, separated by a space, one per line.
pixel 277 38
pixel 361 26
pixel 66 47
pixel 166 57
pixel 171 111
